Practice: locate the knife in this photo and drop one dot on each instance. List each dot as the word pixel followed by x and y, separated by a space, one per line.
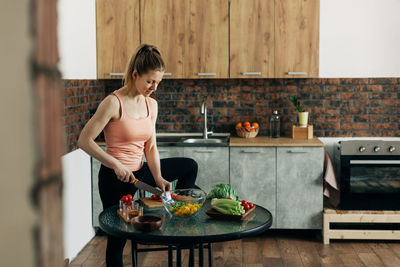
pixel 147 187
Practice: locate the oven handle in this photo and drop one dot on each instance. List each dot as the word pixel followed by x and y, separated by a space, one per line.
pixel 374 161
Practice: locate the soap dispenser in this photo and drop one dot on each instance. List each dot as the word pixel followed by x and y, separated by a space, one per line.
pixel 275 125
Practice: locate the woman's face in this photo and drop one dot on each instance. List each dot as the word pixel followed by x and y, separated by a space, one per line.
pixel 147 83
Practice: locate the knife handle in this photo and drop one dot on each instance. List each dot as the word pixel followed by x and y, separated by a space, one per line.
pixel 135 181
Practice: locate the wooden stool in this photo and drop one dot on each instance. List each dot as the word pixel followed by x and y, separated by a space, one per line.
pixel 353 216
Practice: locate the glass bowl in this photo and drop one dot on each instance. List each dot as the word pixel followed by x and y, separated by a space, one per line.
pixel 183 203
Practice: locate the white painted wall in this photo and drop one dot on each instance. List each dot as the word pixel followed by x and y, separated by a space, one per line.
pixel 77 39
pixel 78 230
pixel 360 38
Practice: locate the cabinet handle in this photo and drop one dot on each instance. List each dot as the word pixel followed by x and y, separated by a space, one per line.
pixel 204 151
pixel 297 73
pixel 167 74
pixel 296 152
pixel 162 151
pixel 251 73
pixel 252 152
pixel 117 74
pixel 206 74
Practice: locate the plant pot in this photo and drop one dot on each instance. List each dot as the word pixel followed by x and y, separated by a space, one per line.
pixel 303 119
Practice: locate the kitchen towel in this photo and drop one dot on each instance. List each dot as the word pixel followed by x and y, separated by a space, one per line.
pixel 331 187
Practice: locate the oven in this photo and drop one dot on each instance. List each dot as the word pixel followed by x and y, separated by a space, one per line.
pixel 369 175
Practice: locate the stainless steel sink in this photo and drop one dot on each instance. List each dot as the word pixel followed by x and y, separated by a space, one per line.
pixel 193 140
pixel 203 141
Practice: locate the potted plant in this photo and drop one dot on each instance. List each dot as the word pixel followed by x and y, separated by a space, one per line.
pixel 303 115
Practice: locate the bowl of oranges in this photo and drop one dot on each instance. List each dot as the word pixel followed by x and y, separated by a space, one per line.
pixel 247 129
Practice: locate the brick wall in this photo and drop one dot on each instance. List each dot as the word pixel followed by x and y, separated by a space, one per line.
pixel 80 97
pixel 337 107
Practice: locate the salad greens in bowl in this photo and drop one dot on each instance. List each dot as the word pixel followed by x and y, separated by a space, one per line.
pixel 183 203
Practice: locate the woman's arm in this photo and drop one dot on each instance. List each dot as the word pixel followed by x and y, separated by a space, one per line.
pixel 151 152
pixel 107 110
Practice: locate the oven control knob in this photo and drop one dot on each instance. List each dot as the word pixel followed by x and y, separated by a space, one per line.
pixel 392 148
pixel 377 148
pixel 361 149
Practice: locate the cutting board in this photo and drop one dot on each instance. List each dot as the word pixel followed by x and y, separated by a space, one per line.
pixel 151 203
pixel 219 215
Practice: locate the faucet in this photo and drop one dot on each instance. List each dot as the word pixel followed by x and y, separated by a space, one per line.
pixel 204 111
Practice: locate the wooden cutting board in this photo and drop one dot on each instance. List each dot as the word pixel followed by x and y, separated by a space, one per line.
pixel 218 215
pixel 151 203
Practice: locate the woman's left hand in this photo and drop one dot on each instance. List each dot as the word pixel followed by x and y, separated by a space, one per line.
pixel 163 184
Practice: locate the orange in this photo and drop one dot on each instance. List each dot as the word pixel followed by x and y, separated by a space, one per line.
pixel 252 129
pixel 238 125
pixel 255 125
pixel 246 123
pixel 248 128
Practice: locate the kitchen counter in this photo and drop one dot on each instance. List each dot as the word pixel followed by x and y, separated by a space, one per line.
pixel 263 141
pixel 275 142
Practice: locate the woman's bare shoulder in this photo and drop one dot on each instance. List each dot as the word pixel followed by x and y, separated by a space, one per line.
pixel 109 107
pixel 153 106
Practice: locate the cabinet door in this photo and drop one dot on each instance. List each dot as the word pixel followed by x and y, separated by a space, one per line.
pixel 296 38
pixel 251 38
pixel 213 165
pixel 170 151
pixel 253 175
pixel 163 24
pixel 299 187
pixel 206 53
pixel 167 152
pixel 117 36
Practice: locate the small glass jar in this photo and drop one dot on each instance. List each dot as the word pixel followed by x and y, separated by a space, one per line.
pixel 275 125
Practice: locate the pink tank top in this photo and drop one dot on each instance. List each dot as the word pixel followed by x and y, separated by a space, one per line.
pixel 126 137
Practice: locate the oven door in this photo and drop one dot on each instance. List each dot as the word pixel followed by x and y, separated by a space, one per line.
pixel 370 182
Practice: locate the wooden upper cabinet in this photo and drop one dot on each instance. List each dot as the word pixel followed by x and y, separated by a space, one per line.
pixel 117 35
pixel 206 52
pixel 252 38
pixel 296 38
pixel 163 24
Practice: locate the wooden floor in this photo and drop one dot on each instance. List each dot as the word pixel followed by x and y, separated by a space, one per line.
pixel 273 248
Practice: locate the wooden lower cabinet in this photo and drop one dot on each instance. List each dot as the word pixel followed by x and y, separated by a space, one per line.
pixel 253 175
pixel 299 189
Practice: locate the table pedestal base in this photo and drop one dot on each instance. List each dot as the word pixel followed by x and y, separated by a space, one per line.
pixel 178 249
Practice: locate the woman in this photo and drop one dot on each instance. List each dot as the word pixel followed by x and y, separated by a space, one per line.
pixel 128 118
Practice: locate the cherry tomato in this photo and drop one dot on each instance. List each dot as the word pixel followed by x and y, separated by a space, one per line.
pixel 251 205
pixel 129 197
pixel 155 197
pixel 125 199
pixel 246 207
pixel 229 198
pixel 244 202
pixel 174 196
pixel 129 202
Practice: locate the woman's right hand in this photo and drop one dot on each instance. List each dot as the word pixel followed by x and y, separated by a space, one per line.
pixel 124 174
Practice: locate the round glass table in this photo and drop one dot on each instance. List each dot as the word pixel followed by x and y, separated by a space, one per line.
pixel 185 233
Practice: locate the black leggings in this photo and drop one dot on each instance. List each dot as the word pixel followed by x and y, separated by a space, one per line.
pixel 112 189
